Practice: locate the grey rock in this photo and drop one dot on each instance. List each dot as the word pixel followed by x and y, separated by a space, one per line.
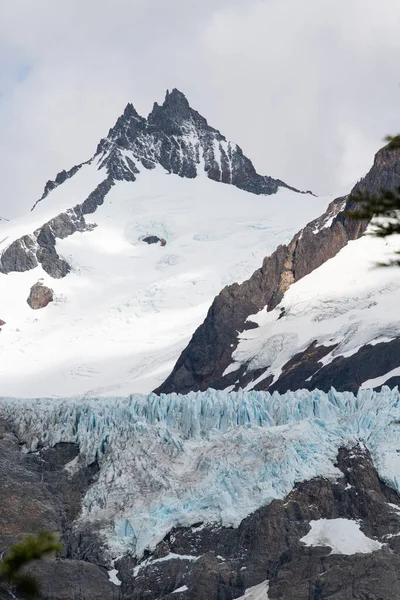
pixel 304 371
pixel 40 248
pixel 153 239
pixel 59 179
pixel 37 492
pixel 163 138
pixel 19 256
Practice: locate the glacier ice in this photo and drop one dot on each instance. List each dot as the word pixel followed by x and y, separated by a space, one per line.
pixel 208 457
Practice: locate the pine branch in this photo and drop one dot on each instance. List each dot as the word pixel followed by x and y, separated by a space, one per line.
pixel 33 547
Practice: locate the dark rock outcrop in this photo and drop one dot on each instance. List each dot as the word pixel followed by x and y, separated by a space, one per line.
pixel 39 492
pixel 28 252
pixel 40 296
pixel 151 239
pixel 178 138
pixel 344 373
pixel 209 353
pixel 59 179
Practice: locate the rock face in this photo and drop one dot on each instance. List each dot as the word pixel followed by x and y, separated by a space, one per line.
pixel 40 296
pixel 37 493
pixel 209 353
pixel 180 139
pixel 204 562
pixel 28 252
pixel 305 371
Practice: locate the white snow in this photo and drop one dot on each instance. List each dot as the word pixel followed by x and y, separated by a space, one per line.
pixel 378 381
pixel 258 592
pixel 184 588
pixel 123 315
pixel 112 575
pixel 348 301
pixel 72 192
pixel 171 556
pixel 207 457
pixel 342 535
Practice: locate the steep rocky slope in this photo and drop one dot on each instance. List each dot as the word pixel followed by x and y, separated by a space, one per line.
pixel 209 359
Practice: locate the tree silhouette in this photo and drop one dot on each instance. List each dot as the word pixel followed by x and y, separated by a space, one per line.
pixel 32 547
pixel 383 207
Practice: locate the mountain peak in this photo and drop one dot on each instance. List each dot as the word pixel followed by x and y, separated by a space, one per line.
pixel 176 100
pixel 174 112
pixel 130 111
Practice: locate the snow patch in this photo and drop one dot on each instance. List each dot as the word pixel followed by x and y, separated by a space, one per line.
pixel 258 592
pixel 378 381
pixel 112 575
pixel 342 535
pixel 184 588
pixel 150 562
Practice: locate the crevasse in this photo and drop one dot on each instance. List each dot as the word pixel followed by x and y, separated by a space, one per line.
pixel 212 457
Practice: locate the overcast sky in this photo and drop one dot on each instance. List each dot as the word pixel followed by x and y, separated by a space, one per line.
pixel 307 88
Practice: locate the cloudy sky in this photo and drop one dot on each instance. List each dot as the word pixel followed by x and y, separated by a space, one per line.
pixel 307 88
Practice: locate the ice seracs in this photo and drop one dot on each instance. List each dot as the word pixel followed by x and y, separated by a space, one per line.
pixel 206 457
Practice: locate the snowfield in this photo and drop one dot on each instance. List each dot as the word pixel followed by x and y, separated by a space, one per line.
pixel 348 301
pixel 123 315
pixel 207 457
pixel 342 535
pixel 258 592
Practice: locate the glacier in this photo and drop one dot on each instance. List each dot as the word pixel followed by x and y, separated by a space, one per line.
pixel 210 457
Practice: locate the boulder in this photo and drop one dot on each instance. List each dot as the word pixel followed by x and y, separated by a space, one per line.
pixel 154 239
pixel 40 296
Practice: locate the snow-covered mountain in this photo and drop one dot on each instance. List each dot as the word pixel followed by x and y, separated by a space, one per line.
pixel 210 495
pixel 318 313
pixel 132 246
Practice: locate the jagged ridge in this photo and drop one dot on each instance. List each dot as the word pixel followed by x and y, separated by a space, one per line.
pixel 174 136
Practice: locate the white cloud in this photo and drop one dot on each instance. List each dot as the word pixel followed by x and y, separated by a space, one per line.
pixel 308 89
